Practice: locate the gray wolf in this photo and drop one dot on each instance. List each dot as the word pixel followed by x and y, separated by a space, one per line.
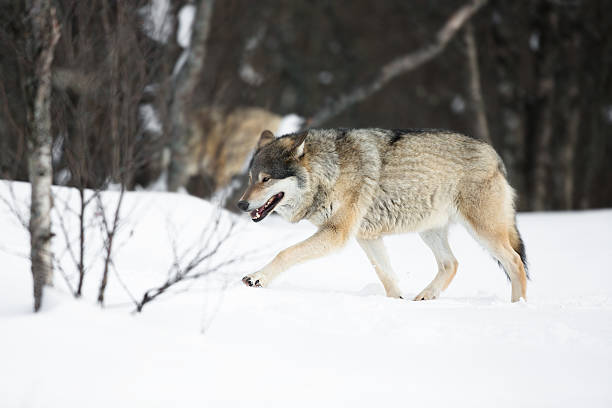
pixel 367 183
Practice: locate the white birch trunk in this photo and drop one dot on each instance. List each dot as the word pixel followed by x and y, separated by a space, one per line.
pixel 44 36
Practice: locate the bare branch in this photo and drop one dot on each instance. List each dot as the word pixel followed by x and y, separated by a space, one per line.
pixel 58 265
pixel 123 285
pixel 110 233
pixel 13 206
pixel 192 266
pixel 62 223
pixel 399 65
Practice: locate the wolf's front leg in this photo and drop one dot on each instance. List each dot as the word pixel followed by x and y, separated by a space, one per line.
pixel 324 241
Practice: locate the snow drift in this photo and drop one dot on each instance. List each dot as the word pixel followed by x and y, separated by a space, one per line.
pixel 323 334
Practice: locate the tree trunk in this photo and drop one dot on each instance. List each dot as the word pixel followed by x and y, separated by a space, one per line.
pixel 41 44
pixel 568 155
pixel 185 84
pixel 478 106
pixel 572 113
pixel 546 103
pixel 110 231
pixel 544 136
pixel 81 264
pixel 112 35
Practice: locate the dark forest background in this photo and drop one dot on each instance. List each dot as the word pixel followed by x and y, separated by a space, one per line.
pixel 536 81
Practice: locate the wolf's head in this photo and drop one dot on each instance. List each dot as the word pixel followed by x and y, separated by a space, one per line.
pixel 276 176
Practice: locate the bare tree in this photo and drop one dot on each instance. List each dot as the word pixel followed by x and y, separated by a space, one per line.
pixel 79 164
pixel 44 35
pixel 108 72
pixel 63 211
pixel 202 259
pixel 184 86
pixel 400 65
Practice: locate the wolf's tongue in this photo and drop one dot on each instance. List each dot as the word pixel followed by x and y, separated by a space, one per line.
pixel 261 212
pixel 257 212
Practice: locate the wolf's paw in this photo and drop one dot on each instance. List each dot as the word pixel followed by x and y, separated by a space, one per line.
pixel 427 294
pixel 254 279
pixel 396 294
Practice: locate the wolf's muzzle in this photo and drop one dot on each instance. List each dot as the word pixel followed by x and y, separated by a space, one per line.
pixel 243 205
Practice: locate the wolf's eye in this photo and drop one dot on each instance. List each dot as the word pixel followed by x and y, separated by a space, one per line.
pixel 265 179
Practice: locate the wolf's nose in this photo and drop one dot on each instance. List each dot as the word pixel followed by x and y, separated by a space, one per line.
pixel 243 205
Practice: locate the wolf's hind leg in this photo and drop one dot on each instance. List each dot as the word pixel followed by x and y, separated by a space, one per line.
pixel 489 215
pixel 497 242
pixel 377 254
pixel 437 241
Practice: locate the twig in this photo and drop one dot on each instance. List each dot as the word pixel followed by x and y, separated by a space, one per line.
pixel 62 272
pixel 123 285
pixel 14 206
pixel 193 261
pixel 108 240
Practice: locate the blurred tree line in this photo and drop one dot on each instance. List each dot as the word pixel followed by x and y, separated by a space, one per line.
pixel 534 77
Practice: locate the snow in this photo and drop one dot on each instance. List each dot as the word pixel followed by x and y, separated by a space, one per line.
pixel 150 119
pixel 182 59
pixel 247 71
pixel 249 75
pixel 289 124
pixel 458 104
pixel 62 177
pixel 161 184
pixel 157 20
pixel 608 113
pixel 325 77
pixel 323 334
pixel 534 41
pixel 185 18
pixel 57 150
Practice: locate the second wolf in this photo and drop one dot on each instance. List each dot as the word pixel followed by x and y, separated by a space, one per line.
pixel 367 183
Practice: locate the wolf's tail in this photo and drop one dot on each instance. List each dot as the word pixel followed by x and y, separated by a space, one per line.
pixel 517 244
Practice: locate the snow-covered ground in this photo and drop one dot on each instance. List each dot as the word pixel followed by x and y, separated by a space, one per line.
pixel 323 334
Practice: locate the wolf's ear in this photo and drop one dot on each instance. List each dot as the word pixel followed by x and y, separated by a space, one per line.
pixel 265 138
pixel 298 145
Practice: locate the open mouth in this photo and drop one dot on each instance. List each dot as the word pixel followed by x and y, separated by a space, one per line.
pixel 261 212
